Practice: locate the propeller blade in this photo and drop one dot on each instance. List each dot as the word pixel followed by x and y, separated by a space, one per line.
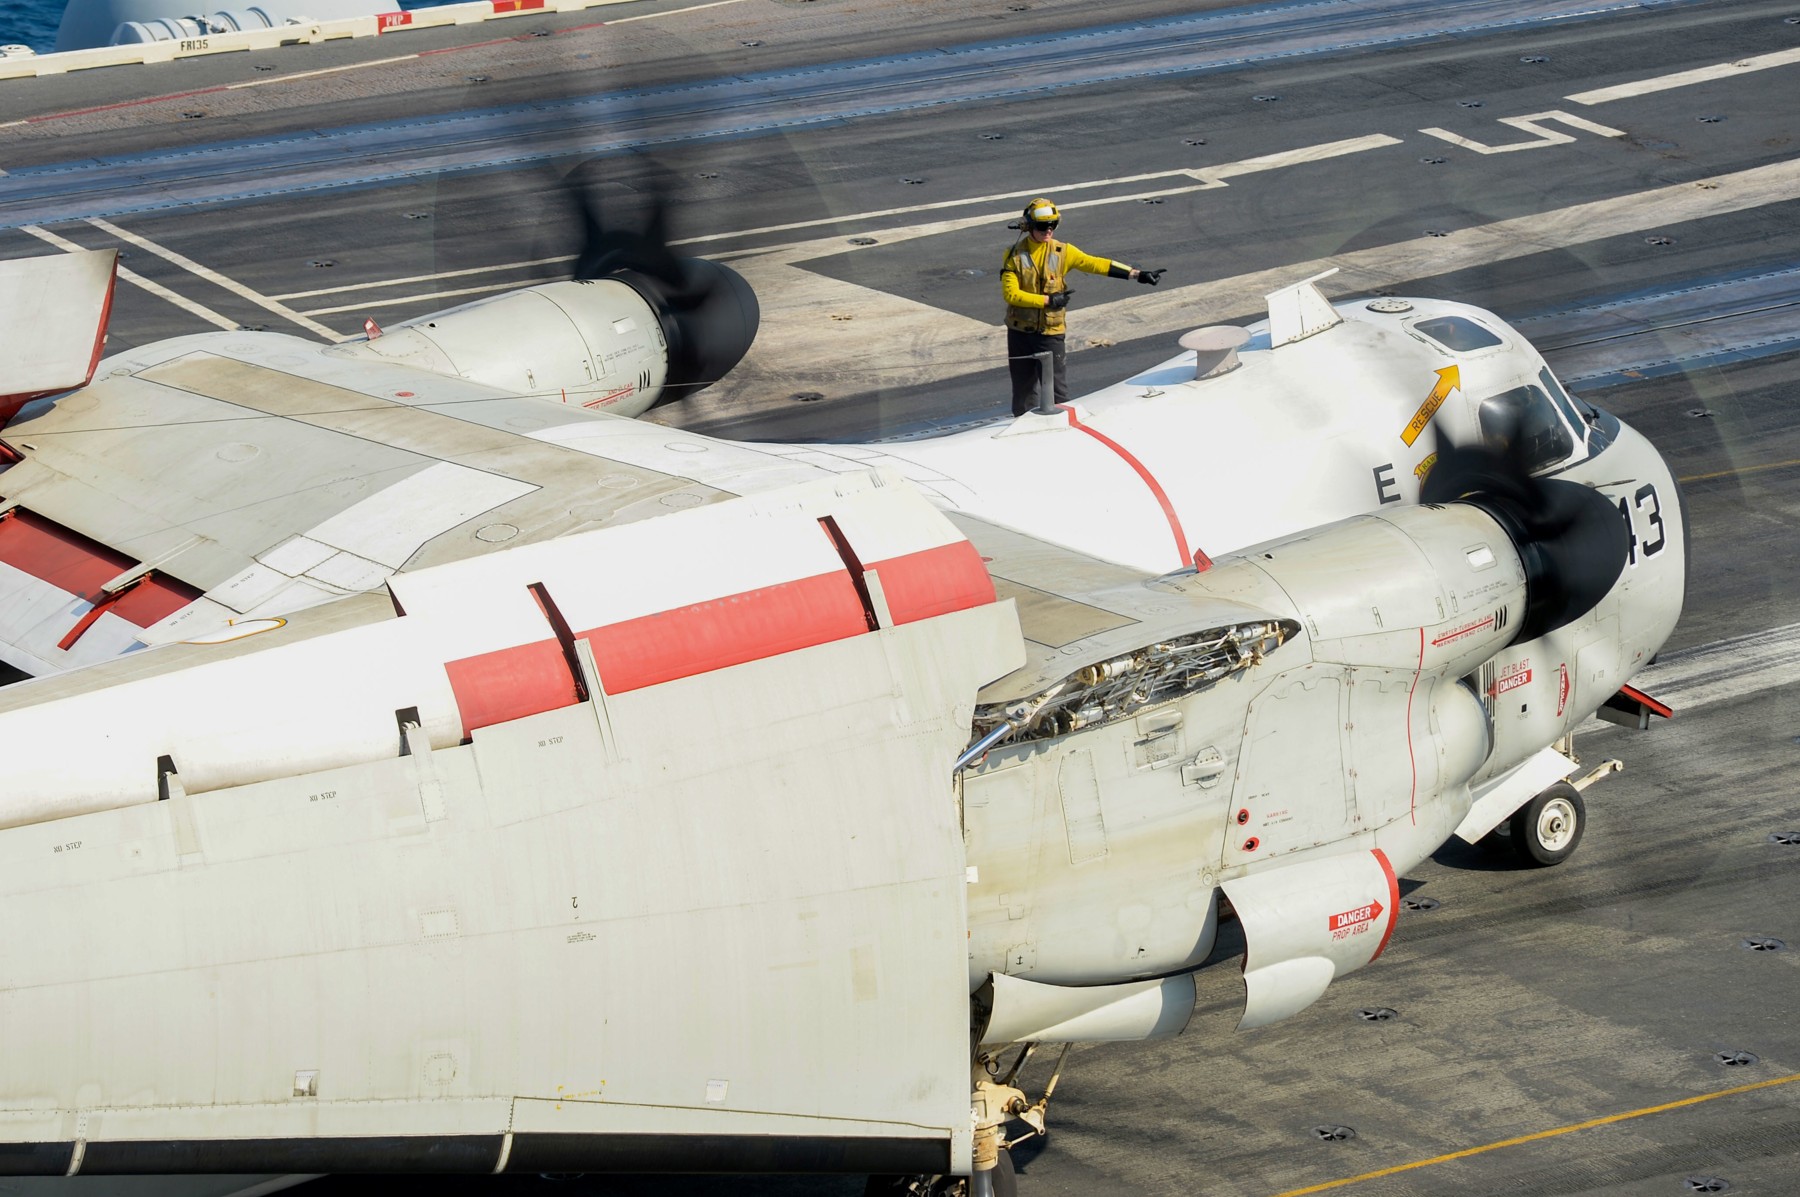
pixel 708 312
pixel 1570 538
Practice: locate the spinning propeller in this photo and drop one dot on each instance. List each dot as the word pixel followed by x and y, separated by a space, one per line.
pixel 709 313
pixel 1569 536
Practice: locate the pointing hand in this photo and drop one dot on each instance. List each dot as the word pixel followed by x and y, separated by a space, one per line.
pixel 1150 277
pixel 1059 301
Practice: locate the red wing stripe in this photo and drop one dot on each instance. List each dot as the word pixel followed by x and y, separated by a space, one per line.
pixel 936 581
pixel 112 285
pixel 153 600
pixel 1162 497
pixel 510 683
pixel 143 602
pixel 52 553
pixel 727 631
pixel 1393 902
pixel 70 561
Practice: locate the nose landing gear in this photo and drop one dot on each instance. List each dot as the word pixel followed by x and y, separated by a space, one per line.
pixel 991 1106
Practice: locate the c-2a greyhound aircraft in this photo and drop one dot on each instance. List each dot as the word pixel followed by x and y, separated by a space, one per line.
pixel 465 778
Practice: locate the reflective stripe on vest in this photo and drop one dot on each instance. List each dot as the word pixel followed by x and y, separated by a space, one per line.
pixel 1026 269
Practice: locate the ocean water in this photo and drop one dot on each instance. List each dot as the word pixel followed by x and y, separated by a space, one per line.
pixel 33 22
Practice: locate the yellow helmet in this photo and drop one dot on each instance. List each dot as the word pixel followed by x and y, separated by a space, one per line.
pixel 1041 213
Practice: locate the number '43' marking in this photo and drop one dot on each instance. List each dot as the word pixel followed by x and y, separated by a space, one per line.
pixel 1645 502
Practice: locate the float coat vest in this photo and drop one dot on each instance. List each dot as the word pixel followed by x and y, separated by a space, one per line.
pixel 1031 272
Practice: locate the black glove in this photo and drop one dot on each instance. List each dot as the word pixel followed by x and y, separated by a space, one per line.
pixel 1059 301
pixel 1150 277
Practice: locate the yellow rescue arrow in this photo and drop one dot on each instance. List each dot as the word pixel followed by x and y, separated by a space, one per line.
pixel 1449 379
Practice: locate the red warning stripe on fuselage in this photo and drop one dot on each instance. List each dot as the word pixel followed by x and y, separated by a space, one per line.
pixel 1162 497
pixel 511 683
pixel 70 561
pixel 1393 902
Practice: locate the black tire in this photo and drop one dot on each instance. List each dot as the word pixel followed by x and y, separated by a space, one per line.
pixel 1546 830
pixel 1006 1181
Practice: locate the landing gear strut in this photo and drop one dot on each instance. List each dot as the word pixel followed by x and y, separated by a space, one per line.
pixel 993 1104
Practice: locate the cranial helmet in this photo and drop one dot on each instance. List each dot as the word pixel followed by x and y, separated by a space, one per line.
pixel 1041 211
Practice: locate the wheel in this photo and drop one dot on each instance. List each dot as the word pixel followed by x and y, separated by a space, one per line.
pixel 1005 1182
pixel 1546 829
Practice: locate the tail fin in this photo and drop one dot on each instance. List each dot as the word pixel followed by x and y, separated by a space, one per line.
pixel 56 309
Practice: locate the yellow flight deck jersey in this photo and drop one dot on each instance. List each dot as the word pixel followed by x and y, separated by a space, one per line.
pixel 1031 271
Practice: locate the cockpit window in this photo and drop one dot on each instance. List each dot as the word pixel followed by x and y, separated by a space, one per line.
pixel 1590 424
pixel 1566 404
pixel 1457 333
pixel 1525 418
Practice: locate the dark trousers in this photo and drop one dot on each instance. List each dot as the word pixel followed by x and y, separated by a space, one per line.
pixel 1019 348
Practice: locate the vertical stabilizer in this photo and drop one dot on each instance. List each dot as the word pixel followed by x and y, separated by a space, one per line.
pixel 1299 311
pixel 55 310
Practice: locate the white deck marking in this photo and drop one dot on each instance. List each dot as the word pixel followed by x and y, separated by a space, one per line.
pixel 217 279
pixel 425 278
pixel 1207 176
pixel 812 325
pixel 1725 70
pixel 1209 301
pixel 673 12
pixel 137 280
pixel 1204 178
pixel 1724 669
pixel 1690 678
pixel 363 305
pixel 1530 124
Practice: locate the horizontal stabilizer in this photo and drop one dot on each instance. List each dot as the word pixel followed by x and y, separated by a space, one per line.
pixel 55 309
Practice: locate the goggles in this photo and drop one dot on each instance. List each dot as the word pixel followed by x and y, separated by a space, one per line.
pixel 1044 226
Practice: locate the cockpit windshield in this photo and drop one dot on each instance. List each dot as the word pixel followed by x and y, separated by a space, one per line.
pixel 1525 419
pixel 1585 418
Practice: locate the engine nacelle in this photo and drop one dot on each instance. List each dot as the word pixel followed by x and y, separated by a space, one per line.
pixel 1308 923
pixel 623 343
pixel 593 344
pixel 1436 590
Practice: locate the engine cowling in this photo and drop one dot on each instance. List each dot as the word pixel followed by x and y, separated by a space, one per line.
pixel 623 343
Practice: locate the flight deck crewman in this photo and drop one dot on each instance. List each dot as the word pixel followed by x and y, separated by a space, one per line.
pixel 1032 279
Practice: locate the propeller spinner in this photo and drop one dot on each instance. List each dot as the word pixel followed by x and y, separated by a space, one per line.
pixel 1569 536
pixel 708 312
